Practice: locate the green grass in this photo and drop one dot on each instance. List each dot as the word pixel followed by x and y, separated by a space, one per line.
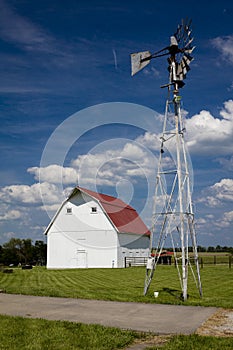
pixel 122 284
pixel 19 333
pixel 196 342
pixel 108 284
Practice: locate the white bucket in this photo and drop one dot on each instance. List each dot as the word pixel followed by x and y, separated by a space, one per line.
pixel 156 294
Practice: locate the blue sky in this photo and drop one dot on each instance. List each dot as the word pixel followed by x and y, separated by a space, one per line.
pixel 71 110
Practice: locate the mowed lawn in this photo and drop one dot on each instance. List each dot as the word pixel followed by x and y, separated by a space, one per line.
pixel 122 284
pixel 19 333
pixel 108 284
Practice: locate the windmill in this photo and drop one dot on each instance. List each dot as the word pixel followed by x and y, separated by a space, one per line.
pixel 173 215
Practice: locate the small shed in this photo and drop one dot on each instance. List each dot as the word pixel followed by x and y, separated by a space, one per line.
pixel 92 229
pixel 165 257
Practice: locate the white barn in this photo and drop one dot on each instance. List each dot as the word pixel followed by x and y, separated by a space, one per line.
pixel 94 230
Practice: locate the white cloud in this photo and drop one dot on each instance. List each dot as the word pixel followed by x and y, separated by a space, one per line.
pixel 30 194
pixel 54 174
pixel 218 194
pixel 225 46
pixel 107 167
pixel 223 190
pixel 226 220
pixel 10 215
pixel 209 135
pixel 150 140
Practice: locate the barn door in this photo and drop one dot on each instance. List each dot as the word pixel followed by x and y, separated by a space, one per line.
pixel 81 258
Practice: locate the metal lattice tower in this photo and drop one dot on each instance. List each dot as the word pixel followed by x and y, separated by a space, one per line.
pixel 173 216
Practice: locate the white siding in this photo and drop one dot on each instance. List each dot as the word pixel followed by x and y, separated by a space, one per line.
pixel 81 238
pixel 65 251
pixel 131 245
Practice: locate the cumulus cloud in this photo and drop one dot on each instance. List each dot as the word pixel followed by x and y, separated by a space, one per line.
pixel 226 220
pixel 54 174
pixel 218 194
pixel 223 190
pixel 107 167
pixel 150 140
pixel 10 215
pixel 207 135
pixel 225 46
pixel 29 194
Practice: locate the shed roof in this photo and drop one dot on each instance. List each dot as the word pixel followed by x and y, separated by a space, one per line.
pixel 123 216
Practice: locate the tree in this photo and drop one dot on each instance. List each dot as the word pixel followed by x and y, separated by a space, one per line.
pixel 10 251
pixel 22 251
pixel 26 251
pixel 211 249
pixel 40 253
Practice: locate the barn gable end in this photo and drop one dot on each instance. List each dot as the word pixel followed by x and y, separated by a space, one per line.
pixel 94 230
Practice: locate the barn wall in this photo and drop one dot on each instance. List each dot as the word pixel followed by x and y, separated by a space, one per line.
pixel 132 241
pixel 81 238
pixel 131 245
pixel 76 249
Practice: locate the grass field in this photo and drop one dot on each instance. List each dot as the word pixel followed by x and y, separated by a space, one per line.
pixel 19 333
pixel 108 284
pixel 122 284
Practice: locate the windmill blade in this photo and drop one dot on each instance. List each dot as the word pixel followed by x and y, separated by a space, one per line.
pixel 187 59
pixel 189 42
pixel 139 60
pixel 189 50
pixel 183 31
pixel 176 34
pixel 181 70
pixel 185 67
pixel 187 38
pixel 182 76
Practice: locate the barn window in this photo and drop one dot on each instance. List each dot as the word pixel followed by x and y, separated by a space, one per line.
pixel 94 209
pixel 68 210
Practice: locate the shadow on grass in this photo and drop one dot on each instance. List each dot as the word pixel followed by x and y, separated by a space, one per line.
pixel 173 292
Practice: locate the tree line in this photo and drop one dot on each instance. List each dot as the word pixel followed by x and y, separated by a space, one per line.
pixel 23 252
pixel 211 249
pixel 217 249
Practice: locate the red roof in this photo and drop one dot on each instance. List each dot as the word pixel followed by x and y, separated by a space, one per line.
pixel 123 216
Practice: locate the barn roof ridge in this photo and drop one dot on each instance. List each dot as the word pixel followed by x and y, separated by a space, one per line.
pixel 116 202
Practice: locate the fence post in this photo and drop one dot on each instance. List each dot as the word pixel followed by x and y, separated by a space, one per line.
pixel 202 263
pixel 214 259
pixel 230 260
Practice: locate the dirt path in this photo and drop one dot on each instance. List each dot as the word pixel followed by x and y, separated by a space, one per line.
pixel 220 324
